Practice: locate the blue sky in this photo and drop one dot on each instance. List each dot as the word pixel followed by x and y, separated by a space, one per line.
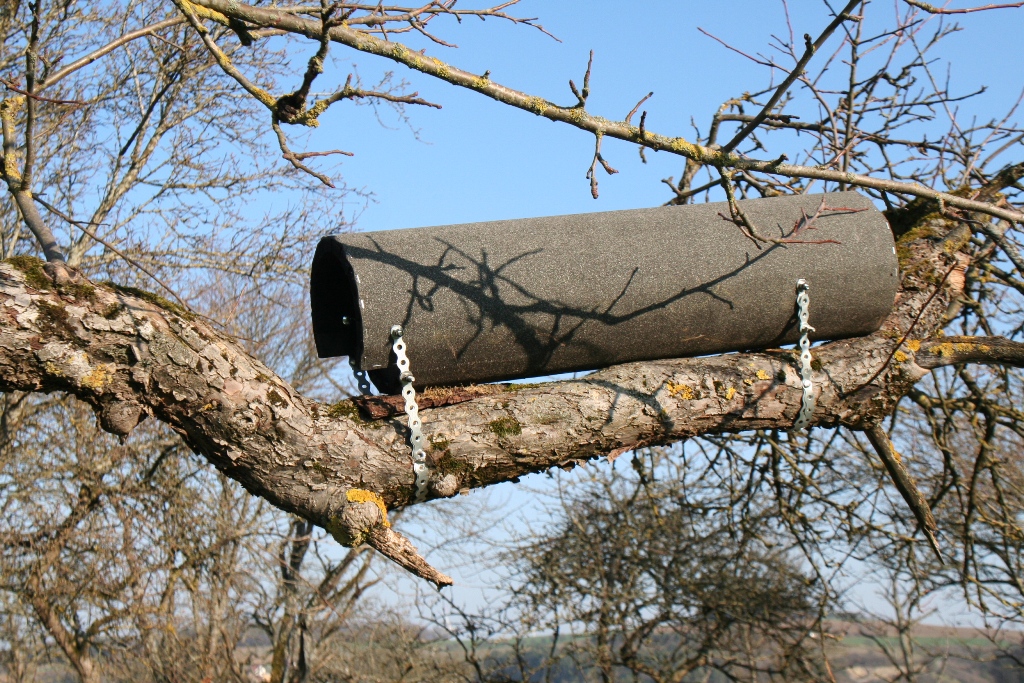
pixel 477 160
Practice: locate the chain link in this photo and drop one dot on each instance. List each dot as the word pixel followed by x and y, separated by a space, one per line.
pixel 360 375
pixel 419 456
pixel 807 401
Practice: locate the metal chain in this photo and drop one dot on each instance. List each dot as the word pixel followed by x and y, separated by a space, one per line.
pixel 419 456
pixel 360 375
pixel 807 401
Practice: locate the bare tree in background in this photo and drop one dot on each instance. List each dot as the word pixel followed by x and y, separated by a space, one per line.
pixel 648 576
pixel 940 379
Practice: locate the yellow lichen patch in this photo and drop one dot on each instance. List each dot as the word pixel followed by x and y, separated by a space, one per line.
pixel 762 375
pixel 99 377
pixel 537 105
pixel 685 147
pixel 442 69
pixel 53 369
pixel 681 391
pixel 729 393
pixel 900 357
pixel 364 496
pixel 950 349
pixel 914 345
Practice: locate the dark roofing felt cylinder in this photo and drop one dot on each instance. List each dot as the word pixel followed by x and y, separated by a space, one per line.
pixel 520 298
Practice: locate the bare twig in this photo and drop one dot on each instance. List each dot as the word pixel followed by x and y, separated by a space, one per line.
pixel 637 107
pixel 261 95
pixel 581 97
pixel 296 159
pixel 810 49
pixel 88 59
pixel 932 9
pixel 11 86
pixel 592 171
pixel 905 483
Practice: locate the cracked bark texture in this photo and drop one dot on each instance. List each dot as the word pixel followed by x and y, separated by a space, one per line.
pixel 130 355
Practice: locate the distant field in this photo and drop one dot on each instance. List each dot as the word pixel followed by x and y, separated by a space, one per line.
pixel 857 654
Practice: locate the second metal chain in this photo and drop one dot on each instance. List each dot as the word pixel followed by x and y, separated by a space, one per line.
pixel 807 401
pixel 419 456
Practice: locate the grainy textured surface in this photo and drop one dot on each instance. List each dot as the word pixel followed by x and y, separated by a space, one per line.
pixel 132 355
pixel 508 299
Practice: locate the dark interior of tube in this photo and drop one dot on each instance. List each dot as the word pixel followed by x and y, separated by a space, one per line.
pixel 334 298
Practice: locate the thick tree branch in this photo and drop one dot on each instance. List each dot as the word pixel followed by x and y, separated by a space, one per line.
pixel 937 353
pixel 130 354
pixel 20 191
pixel 578 117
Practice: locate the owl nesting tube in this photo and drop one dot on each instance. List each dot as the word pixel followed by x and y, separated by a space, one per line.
pixel 502 300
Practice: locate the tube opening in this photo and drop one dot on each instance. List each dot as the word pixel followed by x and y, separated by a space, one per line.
pixel 334 302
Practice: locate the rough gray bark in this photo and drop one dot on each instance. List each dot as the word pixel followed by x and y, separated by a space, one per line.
pixel 130 354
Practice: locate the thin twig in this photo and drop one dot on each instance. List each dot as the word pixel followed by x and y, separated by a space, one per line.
pixel 598 159
pixel 634 109
pixel 809 51
pixel 294 159
pixel 932 9
pixel 108 48
pixel 81 226
pixel 10 86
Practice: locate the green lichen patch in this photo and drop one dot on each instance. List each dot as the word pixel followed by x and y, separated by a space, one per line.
pixel 80 291
pixel 448 464
pixel 337 528
pixel 956 239
pixel 32 268
pixel 506 426
pixel 928 228
pixel 439 445
pixel 113 310
pixel 522 387
pixel 276 398
pixel 346 409
pixel 54 321
pixel 549 418
pixel 152 298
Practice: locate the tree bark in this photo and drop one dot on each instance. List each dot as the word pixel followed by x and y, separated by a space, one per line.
pixel 130 354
